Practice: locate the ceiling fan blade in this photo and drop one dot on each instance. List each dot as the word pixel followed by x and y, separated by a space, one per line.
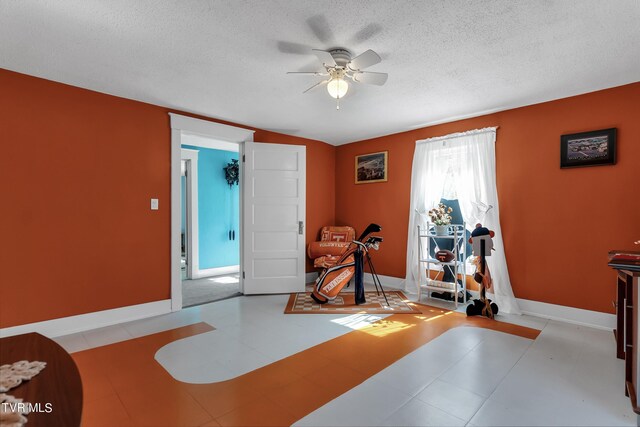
pixel 371 78
pixel 315 73
pixel 364 60
pixel 316 85
pixel 320 27
pixel 325 57
pixel 365 33
pixel 294 48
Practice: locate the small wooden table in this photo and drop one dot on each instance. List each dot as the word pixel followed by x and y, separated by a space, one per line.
pixel 627 330
pixel 58 384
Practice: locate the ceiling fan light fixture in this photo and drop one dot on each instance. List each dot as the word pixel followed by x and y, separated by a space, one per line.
pixel 337 88
pixel 339 67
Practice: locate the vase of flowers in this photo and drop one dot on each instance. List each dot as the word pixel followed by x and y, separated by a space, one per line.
pixel 441 217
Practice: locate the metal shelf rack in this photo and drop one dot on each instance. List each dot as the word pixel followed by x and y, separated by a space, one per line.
pixel 426 241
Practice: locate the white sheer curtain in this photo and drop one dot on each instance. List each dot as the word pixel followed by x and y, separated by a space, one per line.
pixel 471 157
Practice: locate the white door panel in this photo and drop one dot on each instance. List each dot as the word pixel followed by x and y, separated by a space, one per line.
pixel 277 161
pixel 268 185
pixel 269 214
pixel 275 200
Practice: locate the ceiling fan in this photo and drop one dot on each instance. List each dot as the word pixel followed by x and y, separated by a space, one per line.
pixel 340 67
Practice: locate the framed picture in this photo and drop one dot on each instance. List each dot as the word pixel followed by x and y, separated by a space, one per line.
pixel 372 167
pixel 593 148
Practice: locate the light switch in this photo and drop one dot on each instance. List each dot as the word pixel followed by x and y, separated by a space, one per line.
pixel 154 204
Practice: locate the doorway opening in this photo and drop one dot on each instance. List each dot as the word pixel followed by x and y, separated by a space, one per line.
pixel 187 130
pixel 271 212
pixel 210 220
pixel 184 245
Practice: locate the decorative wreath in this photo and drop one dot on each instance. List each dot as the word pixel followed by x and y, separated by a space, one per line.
pixel 232 172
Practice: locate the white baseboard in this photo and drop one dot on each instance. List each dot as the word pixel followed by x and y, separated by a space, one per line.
pixel 387 281
pixel 577 316
pixel 84 322
pixel 218 271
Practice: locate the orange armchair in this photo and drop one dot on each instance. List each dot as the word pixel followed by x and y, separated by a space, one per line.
pixel 333 242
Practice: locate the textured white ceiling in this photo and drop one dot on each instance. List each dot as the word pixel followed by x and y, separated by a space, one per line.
pixel 227 59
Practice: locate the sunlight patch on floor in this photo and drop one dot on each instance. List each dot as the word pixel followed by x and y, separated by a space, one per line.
pixel 386 327
pixel 357 321
pixel 224 279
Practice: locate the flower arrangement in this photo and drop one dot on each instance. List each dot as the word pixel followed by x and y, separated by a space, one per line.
pixel 441 214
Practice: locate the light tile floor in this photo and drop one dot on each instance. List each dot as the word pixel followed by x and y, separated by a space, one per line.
pixel 569 375
pixel 209 289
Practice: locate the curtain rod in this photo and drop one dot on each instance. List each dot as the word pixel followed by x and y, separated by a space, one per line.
pixel 458 135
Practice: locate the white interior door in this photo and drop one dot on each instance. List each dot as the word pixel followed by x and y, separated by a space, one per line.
pixel 274 218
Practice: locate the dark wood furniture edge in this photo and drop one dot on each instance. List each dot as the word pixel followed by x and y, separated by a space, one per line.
pixel 59 383
pixel 621 292
pixel 626 323
pixel 623 251
pixel 632 395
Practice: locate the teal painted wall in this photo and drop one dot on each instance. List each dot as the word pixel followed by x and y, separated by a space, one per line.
pixel 218 210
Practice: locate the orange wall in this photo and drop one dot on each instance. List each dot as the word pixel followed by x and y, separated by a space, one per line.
pixel 558 224
pixel 78 169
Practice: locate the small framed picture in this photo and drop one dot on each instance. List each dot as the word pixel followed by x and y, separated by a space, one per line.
pixel 372 167
pixel 593 148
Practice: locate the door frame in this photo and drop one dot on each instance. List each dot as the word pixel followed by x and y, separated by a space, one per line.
pixel 191 208
pixel 180 126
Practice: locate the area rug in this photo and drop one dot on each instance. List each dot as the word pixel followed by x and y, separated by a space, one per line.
pixel 302 303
